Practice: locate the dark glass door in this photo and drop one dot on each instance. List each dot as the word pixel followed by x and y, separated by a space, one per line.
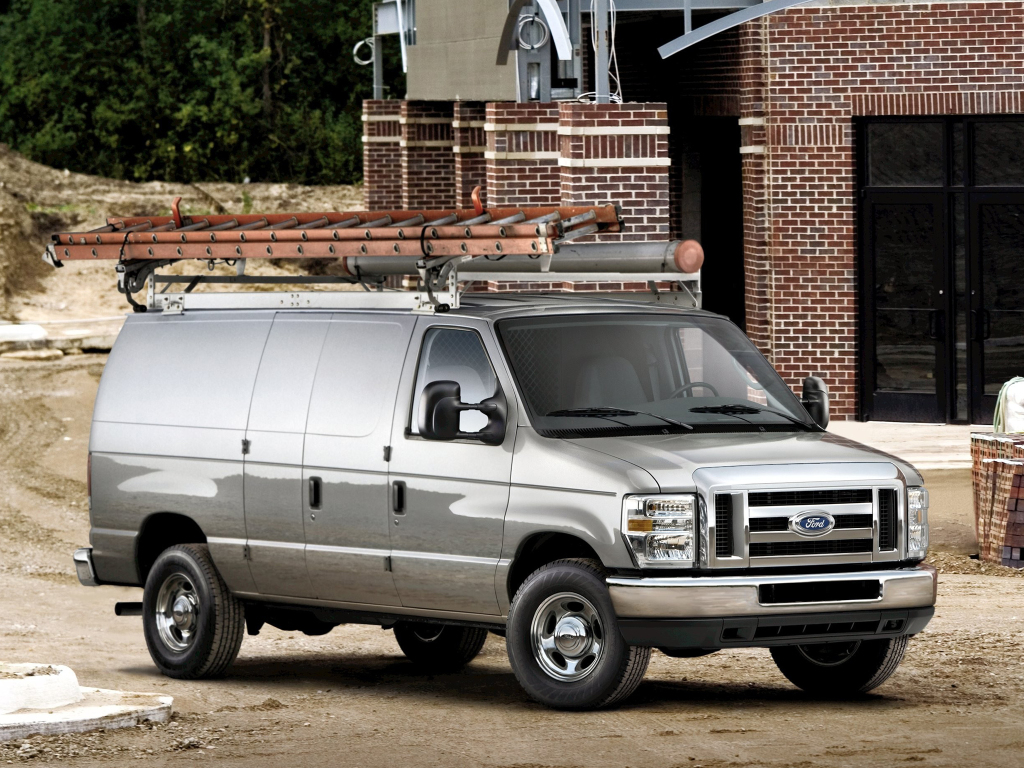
pixel 997 296
pixel 908 296
pixel 942 258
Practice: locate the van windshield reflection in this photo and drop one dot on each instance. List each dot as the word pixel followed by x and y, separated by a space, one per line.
pixel 594 374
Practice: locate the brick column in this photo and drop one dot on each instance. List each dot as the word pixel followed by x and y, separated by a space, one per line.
pixel 618 153
pixel 522 154
pixel 428 163
pixel 470 145
pixel 382 177
pixel 756 257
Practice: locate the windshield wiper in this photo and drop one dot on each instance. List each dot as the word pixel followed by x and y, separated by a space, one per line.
pixel 604 411
pixel 736 409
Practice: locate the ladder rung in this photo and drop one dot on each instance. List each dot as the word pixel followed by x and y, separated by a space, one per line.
pixel 476 220
pixel 556 216
pixel 321 222
pixel 344 224
pixel 258 224
pixel 193 227
pixel 383 222
pixel 226 225
pixel 581 219
pixel 286 224
pixel 511 219
pixel 443 221
pixel 415 220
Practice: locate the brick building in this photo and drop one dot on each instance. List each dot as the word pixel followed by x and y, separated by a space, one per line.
pixel 854 171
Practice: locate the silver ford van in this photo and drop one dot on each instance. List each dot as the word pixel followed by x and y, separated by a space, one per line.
pixel 590 478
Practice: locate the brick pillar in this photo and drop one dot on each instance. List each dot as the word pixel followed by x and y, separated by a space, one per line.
pixel 522 154
pixel 428 163
pixel 382 178
pixel 470 145
pixel 753 139
pixel 618 153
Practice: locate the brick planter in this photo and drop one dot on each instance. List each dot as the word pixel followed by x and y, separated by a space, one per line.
pixel 998 477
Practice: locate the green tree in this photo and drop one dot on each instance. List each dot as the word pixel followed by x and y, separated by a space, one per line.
pixel 188 90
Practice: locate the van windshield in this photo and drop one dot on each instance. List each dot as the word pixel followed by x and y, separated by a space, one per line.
pixel 633 374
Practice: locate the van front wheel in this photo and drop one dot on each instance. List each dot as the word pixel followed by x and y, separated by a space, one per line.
pixel 439 647
pixel 563 639
pixel 193 624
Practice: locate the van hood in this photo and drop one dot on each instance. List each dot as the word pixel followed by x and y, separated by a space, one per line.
pixel 672 459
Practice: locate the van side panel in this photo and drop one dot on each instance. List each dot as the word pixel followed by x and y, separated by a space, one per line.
pixel 167 435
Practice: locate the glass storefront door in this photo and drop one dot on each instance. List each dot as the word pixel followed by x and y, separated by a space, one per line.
pixel 942 249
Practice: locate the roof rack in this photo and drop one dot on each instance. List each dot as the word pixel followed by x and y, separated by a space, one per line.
pixel 488 244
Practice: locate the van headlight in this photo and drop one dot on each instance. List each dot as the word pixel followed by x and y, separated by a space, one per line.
pixel 660 530
pixel 917 523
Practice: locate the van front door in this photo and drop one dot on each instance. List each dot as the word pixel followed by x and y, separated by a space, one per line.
pixel 448 499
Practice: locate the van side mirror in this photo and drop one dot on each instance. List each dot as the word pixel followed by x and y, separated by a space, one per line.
pixel 441 405
pixel 815 400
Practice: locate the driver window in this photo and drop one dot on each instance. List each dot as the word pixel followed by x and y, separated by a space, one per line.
pixel 449 354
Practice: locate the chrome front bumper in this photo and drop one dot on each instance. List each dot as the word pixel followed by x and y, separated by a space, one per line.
pixel 706 597
pixel 84 567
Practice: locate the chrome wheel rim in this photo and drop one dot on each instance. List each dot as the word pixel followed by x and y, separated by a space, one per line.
pixel 567 636
pixel 428 633
pixel 177 612
pixel 829 654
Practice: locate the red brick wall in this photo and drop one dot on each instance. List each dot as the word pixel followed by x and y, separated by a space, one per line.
pixel 618 153
pixel 382 172
pixel 470 143
pixel 522 164
pixel 826 66
pixel 428 163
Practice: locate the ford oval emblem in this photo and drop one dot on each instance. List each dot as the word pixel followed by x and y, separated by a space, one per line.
pixel 812 522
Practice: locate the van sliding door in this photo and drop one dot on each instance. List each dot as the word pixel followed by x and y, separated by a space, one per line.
pixel 273 464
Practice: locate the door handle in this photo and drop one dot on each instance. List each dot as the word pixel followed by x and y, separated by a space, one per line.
pixel 315 492
pixel 981 320
pixel 398 497
pixel 936 324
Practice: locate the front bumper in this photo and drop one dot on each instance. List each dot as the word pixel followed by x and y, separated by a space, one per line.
pixel 84 567
pixel 763 610
pixel 713 596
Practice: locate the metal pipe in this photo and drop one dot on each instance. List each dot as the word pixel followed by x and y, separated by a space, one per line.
pixel 378 67
pixel 602 80
pixel 637 258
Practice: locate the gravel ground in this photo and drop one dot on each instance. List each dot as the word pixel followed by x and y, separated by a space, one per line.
pixel 351 698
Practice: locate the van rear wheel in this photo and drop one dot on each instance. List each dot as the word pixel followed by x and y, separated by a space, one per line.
pixel 440 647
pixel 192 623
pixel 840 669
pixel 564 642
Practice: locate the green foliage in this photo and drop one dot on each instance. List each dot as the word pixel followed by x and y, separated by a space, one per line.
pixel 189 90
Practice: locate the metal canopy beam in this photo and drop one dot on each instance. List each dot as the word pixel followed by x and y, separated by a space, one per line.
pixel 724 23
pixel 678 5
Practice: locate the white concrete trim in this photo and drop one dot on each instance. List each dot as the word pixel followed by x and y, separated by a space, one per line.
pixel 380 118
pixel 752 149
pixel 520 126
pixel 381 139
pixel 522 155
pixel 425 120
pixel 427 143
pixel 751 121
pixel 614 162
pixel 468 150
pixel 611 130
pixel 468 123
pixel 98 709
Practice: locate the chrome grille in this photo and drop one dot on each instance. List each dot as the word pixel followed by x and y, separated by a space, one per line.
pixel 751 528
pixel 723 525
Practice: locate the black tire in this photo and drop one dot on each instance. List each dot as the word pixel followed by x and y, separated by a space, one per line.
pixel 561 677
pixel 439 647
pixel 840 669
pixel 213 636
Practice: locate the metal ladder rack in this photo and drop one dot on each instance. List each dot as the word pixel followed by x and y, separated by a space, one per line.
pixel 369 245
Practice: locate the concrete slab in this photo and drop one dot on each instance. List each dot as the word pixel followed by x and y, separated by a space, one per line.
pixel 926 446
pixel 98 708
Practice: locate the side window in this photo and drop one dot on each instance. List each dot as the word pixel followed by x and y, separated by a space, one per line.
pixel 449 354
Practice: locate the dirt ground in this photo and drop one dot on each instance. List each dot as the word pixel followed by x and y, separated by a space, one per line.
pixel 351 698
